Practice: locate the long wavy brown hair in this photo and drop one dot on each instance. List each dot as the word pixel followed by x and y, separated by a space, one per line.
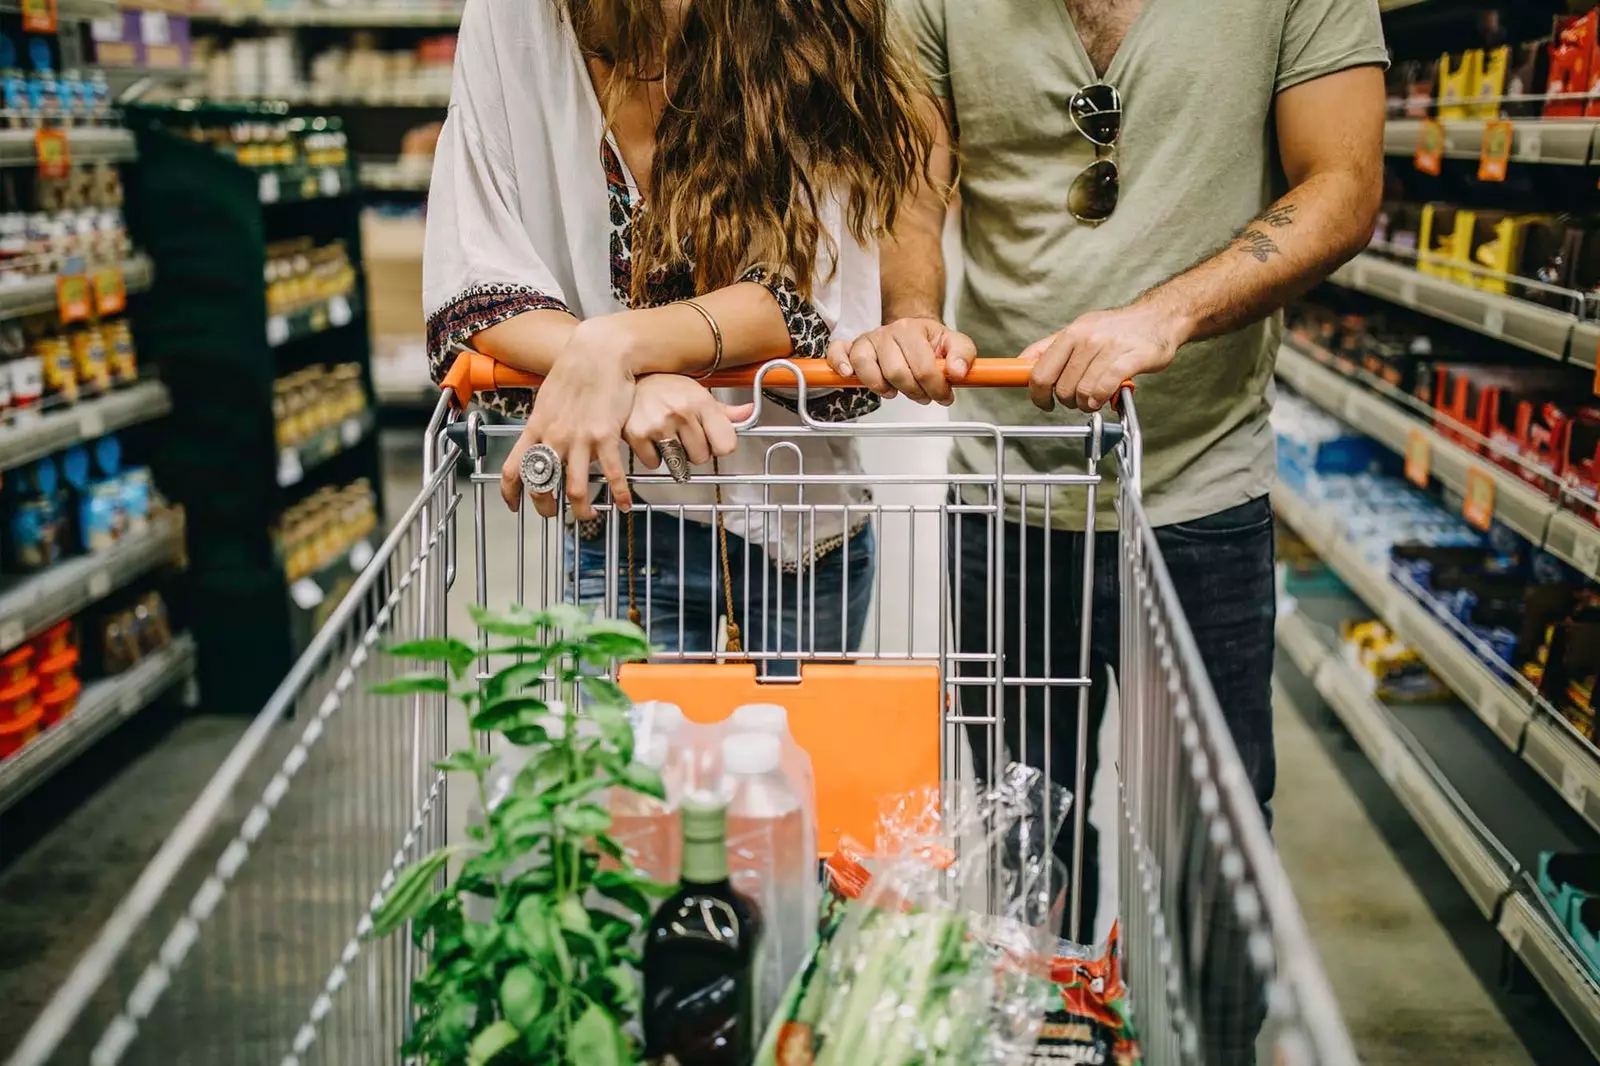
pixel 772 106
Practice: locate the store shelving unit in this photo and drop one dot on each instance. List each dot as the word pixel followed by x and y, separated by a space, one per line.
pixel 26 439
pixel 103 705
pixel 32 603
pixel 202 217
pixel 1471 798
pixel 37 295
pixel 396 175
pixel 85 144
pixel 1554 142
pixel 376 16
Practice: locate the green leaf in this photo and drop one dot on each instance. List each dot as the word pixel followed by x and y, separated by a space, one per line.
pixel 572 915
pixel 542 933
pixel 411 684
pixel 608 846
pixel 604 691
pixel 585 819
pixel 595 1039
pixel 526 735
pixel 455 1025
pixel 566 618
pixel 616 887
pixel 474 762
pixel 520 817
pixel 484 940
pixel 447 650
pixel 493 1040
pixel 518 627
pixel 412 891
pixel 537 1036
pixel 626 986
pixel 644 779
pixel 516 676
pixel 614 726
pixel 521 997
pixel 510 711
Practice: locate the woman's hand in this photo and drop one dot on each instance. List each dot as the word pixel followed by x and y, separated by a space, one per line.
pixel 579 412
pixel 672 407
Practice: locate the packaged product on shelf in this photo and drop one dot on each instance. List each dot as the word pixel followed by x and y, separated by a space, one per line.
pixel 59 671
pixel 36 537
pixel 16 665
pixel 19 699
pixel 1492 81
pixel 1573 63
pixel 91 358
pixel 101 521
pixel 121 632
pixel 60 372
pixel 1459 80
pixel 1445 241
pixel 136 489
pixel 1394 670
pixel 16 733
pixel 117 336
pixel 56 704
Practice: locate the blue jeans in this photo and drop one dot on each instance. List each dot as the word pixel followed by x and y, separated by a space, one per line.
pixel 678 590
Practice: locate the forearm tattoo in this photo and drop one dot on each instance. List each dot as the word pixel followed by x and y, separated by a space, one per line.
pixel 1255 242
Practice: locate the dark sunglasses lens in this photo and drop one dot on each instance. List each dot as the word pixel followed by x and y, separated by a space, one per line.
pixel 1093 195
pixel 1097 112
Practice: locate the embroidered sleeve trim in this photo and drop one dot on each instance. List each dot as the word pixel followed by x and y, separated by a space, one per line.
pixel 809 335
pixel 473 310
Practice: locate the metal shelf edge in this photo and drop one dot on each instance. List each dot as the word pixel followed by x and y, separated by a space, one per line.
pixel 102 706
pixel 38 295
pixel 34 438
pixel 1568 983
pixel 1570 768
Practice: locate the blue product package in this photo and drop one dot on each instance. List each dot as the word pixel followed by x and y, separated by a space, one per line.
pixel 108 456
pixel 101 519
pixel 75 466
pixel 35 533
pixel 136 498
pixel 36 479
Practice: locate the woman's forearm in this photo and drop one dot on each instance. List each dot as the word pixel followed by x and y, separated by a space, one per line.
pixel 672 339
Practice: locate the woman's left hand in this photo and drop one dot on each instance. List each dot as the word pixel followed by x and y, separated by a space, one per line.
pixel 579 413
pixel 669 407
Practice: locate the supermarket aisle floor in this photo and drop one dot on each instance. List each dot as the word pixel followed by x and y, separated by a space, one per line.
pixel 1407 993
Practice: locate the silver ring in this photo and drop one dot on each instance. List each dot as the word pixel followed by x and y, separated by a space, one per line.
pixel 541 469
pixel 675 458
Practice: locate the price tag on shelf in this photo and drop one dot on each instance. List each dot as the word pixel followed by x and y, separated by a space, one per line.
pixel 339 313
pixel 1392 761
pixel 289 469
pixel 1419 456
pixel 1586 554
pixel 40 16
pixel 74 297
pixel 53 152
pixel 329 181
pixel 1512 931
pixel 1408 291
pixel 1429 156
pixel 1530 143
pixel 306 593
pixel 1572 787
pixel 268 187
pixel 130 701
pixel 1494 321
pixel 319 319
pixel 360 555
pixel 1496 151
pixel 110 291
pixel 12 634
pixel 1478 508
pixel 350 432
pixel 308 187
pixel 91 423
pixel 277 330
pixel 99 584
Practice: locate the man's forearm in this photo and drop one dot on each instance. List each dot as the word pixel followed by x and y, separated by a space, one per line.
pixel 1281 253
pixel 912 274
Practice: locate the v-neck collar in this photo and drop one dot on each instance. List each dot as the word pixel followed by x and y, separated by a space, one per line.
pixel 1114 68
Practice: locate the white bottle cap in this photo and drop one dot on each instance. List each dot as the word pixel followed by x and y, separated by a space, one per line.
pixel 762 718
pixel 659 718
pixel 751 753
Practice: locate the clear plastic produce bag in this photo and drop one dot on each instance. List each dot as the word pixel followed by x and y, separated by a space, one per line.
pixel 933 960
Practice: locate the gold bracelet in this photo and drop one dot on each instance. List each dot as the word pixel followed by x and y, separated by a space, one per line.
pixel 716 335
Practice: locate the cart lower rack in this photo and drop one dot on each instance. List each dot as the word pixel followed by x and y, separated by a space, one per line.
pixel 243 942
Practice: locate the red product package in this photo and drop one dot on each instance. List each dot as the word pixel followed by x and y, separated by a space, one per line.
pixel 1573 61
pixel 1092 1025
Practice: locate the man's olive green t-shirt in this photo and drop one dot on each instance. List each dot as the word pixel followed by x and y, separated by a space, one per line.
pixel 1197 159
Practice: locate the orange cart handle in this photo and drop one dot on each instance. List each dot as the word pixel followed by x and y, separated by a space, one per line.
pixel 474 372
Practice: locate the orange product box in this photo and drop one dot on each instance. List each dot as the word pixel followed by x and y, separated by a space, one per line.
pixel 1573 61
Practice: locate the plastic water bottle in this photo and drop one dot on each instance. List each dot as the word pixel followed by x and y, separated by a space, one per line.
pixel 796 762
pixel 768 860
pixel 647 828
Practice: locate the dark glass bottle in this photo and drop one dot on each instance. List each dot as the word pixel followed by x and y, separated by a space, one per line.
pixel 698 954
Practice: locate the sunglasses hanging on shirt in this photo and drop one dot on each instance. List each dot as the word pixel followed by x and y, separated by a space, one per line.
pixel 1096 111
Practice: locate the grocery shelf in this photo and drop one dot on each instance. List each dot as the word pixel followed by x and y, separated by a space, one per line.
pixel 37 295
pixel 34 602
pixel 29 437
pixel 1557 142
pixel 1517 504
pixel 1544 330
pixel 397 175
pixel 397 94
pixel 85 144
pixel 335 312
pixel 278 185
pixel 1474 801
pixel 102 706
pixel 378 16
pixel 294 462
pixel 1505 710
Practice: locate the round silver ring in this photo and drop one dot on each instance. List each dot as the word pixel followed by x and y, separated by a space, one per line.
pixel 541 469
pixel 675 458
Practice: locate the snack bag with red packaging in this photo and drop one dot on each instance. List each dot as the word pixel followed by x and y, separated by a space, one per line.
pixel 1092 1025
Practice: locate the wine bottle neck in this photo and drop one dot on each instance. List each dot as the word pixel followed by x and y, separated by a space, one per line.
pixel 705 862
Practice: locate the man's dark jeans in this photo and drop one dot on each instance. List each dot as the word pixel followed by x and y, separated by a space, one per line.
pixel 1222 566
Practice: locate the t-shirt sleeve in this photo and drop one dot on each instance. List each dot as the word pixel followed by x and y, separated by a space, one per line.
pixel 922 23
pixel 479 265
pixel 1322 37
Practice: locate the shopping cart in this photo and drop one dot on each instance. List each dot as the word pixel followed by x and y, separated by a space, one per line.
pixel 243 941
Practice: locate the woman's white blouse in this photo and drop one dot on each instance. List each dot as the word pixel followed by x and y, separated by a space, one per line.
pixel 531 207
